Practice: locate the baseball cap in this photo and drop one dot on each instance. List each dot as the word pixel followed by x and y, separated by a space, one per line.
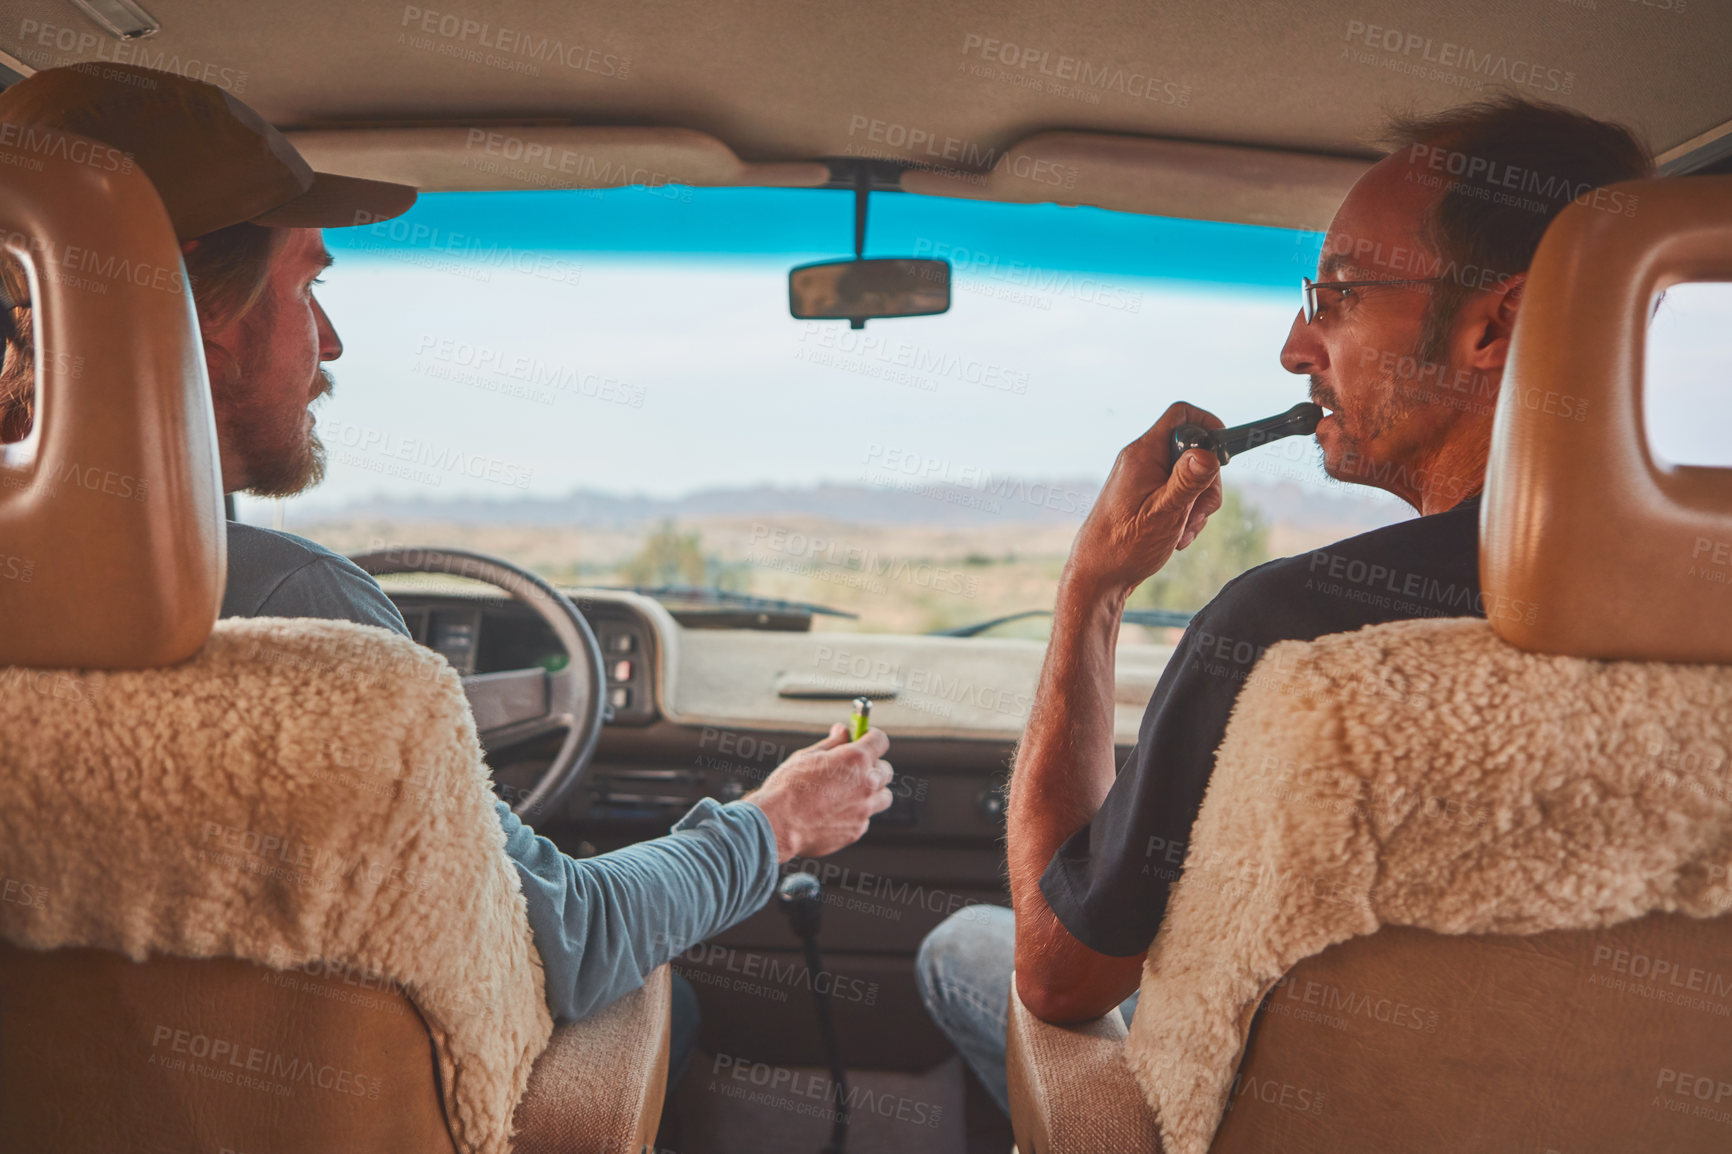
pixel 214 161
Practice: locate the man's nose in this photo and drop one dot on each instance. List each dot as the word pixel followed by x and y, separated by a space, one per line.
pixel 1303 353
pixel 330 344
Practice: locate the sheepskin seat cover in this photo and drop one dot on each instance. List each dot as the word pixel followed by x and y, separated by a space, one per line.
pixel 1424 773
pixel 299 790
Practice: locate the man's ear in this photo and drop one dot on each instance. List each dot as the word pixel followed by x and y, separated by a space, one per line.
pixel 1493 322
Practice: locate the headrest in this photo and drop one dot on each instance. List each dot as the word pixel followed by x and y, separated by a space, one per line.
pixel 1589 546
pixel 111 524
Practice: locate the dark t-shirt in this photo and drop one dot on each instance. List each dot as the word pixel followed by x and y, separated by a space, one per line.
pixel 276 574
pixel 1109 883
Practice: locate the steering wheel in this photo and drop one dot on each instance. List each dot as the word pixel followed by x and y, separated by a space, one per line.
pixel 518 704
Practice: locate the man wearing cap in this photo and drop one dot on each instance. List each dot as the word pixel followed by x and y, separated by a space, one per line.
pixel 248 210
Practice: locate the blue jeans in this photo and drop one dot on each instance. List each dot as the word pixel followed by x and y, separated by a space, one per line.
pixel 682 1028
pixel 963 971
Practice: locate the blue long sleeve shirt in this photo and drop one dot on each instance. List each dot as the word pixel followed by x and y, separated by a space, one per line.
pixel 601 924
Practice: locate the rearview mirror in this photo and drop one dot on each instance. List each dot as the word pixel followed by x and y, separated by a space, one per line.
pixel 858 290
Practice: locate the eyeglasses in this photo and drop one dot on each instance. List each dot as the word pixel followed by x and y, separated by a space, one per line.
pixel 1309 287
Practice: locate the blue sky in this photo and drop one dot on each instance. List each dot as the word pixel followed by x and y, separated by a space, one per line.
pixel 806 224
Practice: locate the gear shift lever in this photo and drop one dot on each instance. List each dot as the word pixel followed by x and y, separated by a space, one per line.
pixel 800 897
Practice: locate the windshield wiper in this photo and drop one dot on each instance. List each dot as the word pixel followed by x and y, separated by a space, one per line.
pixel 1157 618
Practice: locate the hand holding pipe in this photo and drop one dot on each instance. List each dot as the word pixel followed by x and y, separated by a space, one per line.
pixel 1300 420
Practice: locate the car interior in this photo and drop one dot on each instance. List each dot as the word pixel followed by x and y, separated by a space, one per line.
pixel 607 707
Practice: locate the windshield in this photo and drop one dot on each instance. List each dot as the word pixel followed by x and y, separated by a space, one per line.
pixel 607 387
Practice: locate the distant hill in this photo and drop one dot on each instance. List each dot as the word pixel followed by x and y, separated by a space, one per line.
pixel 998 501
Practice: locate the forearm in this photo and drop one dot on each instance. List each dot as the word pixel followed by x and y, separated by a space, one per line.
pixel 1064 765
pixel 1064 768
pixel 1151 506
pixel 603 923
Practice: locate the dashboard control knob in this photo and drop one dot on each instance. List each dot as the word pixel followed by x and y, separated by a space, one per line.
pixel 990 804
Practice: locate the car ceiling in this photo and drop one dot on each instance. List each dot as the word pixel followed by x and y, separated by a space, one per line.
pixel 781 81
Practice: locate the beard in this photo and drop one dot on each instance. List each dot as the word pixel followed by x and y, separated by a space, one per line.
pixel 280 453
pixel 1396 398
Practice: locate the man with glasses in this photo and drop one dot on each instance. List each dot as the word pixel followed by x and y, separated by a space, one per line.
pixel 1403 338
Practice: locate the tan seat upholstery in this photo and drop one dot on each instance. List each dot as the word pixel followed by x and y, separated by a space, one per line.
pixel 101 1054
pixel 1069 1088
pixel 1606 1040
pixel 599 1085
pixel 115 502
pixel 1415 1041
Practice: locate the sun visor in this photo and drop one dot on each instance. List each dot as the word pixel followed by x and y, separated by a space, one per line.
pixel 459 159
pixel 1159 178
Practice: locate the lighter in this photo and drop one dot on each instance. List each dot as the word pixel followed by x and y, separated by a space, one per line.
pixel 861 719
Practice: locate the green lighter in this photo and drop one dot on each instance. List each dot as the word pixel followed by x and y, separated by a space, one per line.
pixel 861 719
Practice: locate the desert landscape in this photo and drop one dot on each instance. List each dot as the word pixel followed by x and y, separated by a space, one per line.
pixel 903 559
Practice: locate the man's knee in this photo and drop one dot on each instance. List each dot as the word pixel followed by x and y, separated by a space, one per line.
pixel 965 942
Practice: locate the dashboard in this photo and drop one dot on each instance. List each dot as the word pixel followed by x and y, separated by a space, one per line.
pixel 483 633
pixel 709 712
pixel 651 767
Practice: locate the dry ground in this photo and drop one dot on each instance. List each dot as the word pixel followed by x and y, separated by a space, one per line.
pixel 898 578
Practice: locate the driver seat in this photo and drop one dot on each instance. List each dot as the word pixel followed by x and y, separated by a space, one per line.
pixel 213 935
